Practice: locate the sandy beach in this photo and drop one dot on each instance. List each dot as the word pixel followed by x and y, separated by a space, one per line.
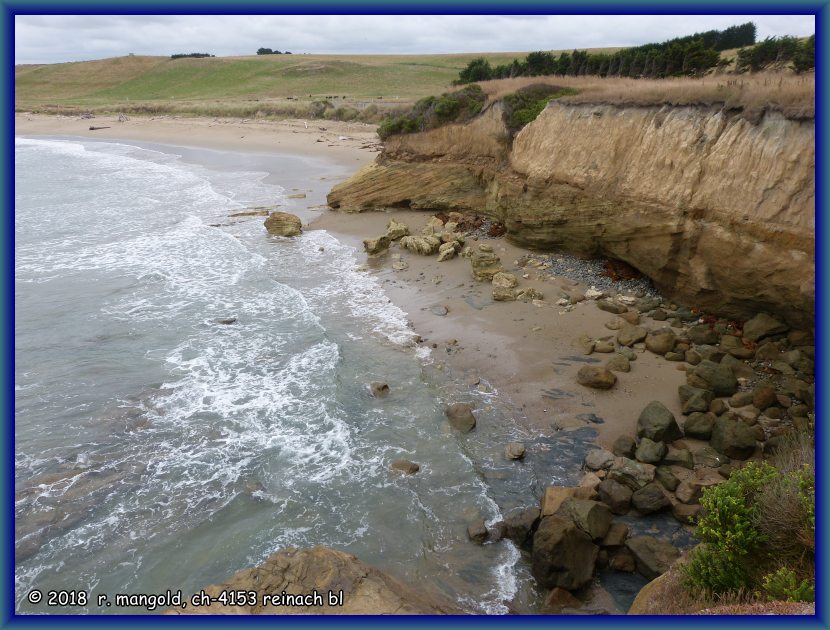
pixel 528 353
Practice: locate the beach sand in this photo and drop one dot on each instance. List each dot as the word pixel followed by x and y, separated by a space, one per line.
pixel 525 352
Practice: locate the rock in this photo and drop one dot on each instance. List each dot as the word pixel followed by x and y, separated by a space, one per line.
pixel 609 306
pixel 628 353
pixel 709 457
pixel 632 317
pixel 379 390
pixel 718 407
pixel 598 459
pixel 616 536
pixel 679 457
pixel 557 600
pixel 529 295
pixel 504 279
pixel 703 334
pixel 694 399
pixel 685 513
pixel 297 196
pixel 624 446
pixel 400 265
pixel 603 346
pixel 377 245
pixel 423 245
pixel 762 325
pixel 716 377
pixel 596 377
pixel 660 341
pixel 520 524
pixel 514 450
pixel 283 224
pixel 592 517
pixel 649 451
pixel 227 321
pixel 396 230
pixel 692 357
pixel 657 423
pixel 739 368
pixel 675 356
pixel 616 323
pixel 563 555
pixel 618 364
pixel 503 294
pixel 623 560
pixel 439 310
pixel 699 425
pixel 461 417
pixel 653 556
pixel 691 489
pixel 477 531
pixel 485 264
pixel 367 591
pixel 446 252
pixel 628 335
pixel 650 498
pixel 740 399
pixel 666 478
pixel 586 344
pixel 733 438
pixel 553 498
pixel 405 466
pixel 764 396
pixel 590 480
pixel 632 474
pixel 615 495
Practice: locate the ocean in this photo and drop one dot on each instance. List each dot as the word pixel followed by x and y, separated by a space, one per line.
pixel 159 448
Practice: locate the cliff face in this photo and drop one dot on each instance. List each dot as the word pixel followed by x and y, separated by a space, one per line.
pixel 718 211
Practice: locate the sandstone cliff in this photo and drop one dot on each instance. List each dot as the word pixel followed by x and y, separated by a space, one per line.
pixel 717 210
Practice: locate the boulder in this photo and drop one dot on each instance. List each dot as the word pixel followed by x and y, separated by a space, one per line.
pixel 604 346
pixel 761 326
pixel 618 364
pixel 460 416
pixel 377 245
pixel 503 294
pixel 557 600
pixel 616 536
pixel 623 560
pixel 740 399
pixel 446 252
pixel 624 446
pixel 709 457
pixel 733 438
pixel 649 451
pixel 615 495
pixel 703 334
pixel 628 335
pixel 379 390
pixel 529 295
pixel 505 280
pixel 685 513
pixel 514 450
pixel 632 474
pixel 477 531
pixel 283 224
pixel 485 263
pixel 666 478
pixel 553 498
pixel 660 341
pixel 699 425
pixel 694 399
pixel 679 457
pixel 423 245
pixel 764 396
pixel 716 377
pixel 653 556
pixel 405 466
pixel 598 459
pixel 650 498
pixel 592 517
pixel 520 524
pixel 589 480
pixel 563 555
pixel 610 306
pixel 396 230
pixel 367 591
pixel 596 377
pixel 657 423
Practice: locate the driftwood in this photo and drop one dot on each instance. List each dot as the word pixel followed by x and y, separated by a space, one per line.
pixel 97 128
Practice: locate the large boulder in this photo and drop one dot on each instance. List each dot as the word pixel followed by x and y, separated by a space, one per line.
pixel 366 590
pixel 553 498
pixel 615 495
pixel 396 230
pixel 520 525
pixel 423 245
pixel 374 246
pixel 563 555
pixel 485 263
pixel 762 325
pixel 653 556
pixel 596 377
pixel 631 474
pixel 661 341
pixel 657 423
pixel 703 334
pixel 713 376
pixel 650 452
pixel 598 459
pixel 628 335
pixel 460 416
pixel 733 437
pixel 283 224
pixel 650 498
pixel 592 517
pixel 699 425
pixel 694 399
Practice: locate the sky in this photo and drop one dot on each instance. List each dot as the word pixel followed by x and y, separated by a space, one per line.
pixel 59 38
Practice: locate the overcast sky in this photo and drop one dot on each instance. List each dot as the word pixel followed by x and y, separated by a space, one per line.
pixel 50 39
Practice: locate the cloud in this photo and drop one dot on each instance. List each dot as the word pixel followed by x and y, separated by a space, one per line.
pixel 58 38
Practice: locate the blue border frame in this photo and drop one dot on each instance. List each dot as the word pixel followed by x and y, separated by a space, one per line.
pixel 10 8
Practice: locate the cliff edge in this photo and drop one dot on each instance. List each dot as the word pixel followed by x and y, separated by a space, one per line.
pixel 717 210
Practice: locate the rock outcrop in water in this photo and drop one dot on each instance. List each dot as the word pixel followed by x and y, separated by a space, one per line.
pixel 717 210
pixel 283 224
pixel 366 590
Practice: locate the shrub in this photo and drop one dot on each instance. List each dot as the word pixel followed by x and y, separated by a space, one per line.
pixel 523 106
pixel 783 584
pixel 435 111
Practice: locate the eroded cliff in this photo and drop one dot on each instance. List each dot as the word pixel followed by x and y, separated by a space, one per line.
pixel 717 210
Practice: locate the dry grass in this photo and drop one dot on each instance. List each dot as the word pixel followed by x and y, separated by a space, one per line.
pixel 792 95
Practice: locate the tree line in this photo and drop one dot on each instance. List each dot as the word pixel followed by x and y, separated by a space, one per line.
pixel 681 56
pixel 195 55
pixel 268 51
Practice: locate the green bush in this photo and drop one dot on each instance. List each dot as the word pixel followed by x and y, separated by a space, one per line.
pixel 523 106
pixel 435 111
pixel 785 585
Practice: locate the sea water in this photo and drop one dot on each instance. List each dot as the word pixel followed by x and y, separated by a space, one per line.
pixel 159 448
